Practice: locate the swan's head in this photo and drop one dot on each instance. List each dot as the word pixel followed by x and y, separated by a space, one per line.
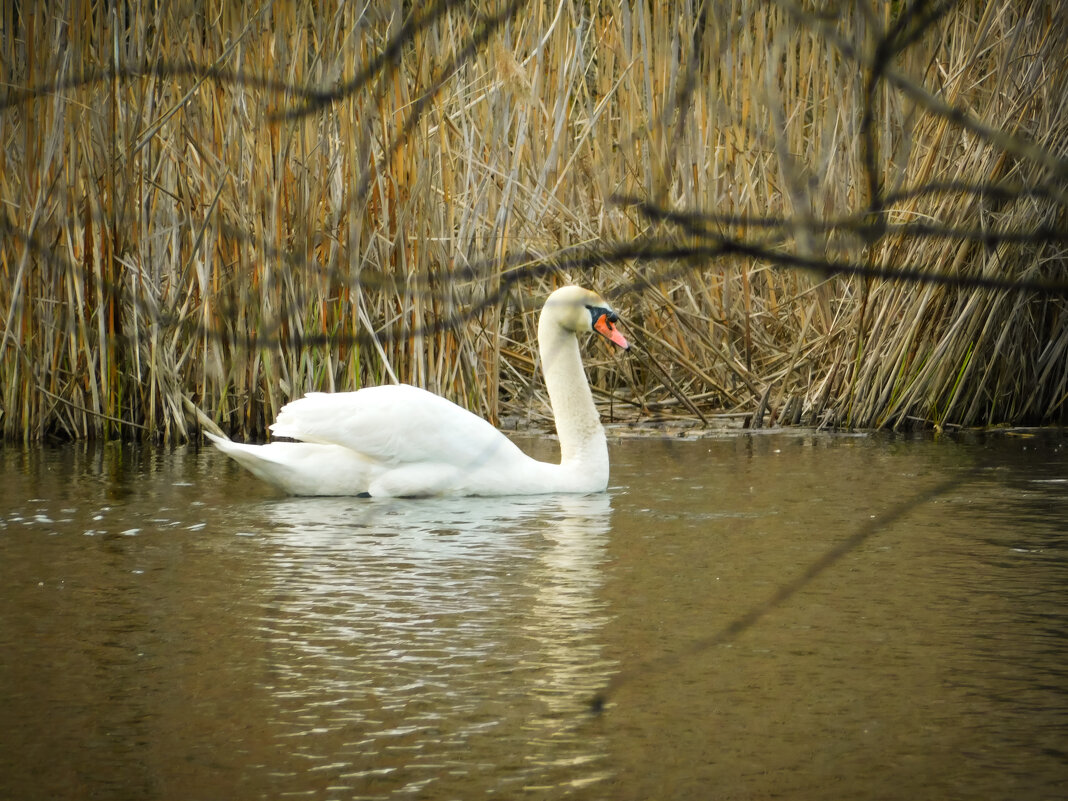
pixel 580 311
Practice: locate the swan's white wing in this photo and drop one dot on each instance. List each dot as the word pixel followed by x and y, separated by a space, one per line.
pixel 396 425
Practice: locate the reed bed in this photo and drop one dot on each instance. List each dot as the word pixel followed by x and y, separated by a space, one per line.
pixel 209 209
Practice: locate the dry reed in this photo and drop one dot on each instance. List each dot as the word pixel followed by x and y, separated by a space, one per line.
pixel 217 208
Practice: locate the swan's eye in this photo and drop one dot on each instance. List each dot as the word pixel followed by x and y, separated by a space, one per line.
pixel 596 312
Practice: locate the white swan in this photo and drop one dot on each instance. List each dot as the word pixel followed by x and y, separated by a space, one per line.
pixel 399 440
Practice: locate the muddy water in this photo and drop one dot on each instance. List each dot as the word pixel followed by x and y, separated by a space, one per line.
pixel 769 616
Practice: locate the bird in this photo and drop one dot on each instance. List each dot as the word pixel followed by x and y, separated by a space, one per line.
pixel 398 440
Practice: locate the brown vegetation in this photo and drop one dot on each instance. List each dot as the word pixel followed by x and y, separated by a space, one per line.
pixel 209 209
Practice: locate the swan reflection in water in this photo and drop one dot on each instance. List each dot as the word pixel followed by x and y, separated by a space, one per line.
pixel 465 630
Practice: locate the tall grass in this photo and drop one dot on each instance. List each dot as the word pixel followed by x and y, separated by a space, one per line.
pixel 208 210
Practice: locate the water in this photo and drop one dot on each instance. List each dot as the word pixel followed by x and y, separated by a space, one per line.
pixel 169 628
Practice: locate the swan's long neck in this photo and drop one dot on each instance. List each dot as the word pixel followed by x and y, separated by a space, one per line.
pixel 582 440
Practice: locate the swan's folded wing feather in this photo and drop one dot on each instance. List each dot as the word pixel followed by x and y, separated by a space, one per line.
pixel 393 425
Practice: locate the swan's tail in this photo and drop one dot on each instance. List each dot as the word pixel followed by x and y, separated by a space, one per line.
pixel 255 458
pixel 301 468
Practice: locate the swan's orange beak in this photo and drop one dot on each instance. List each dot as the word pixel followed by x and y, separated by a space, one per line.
pixel 603 326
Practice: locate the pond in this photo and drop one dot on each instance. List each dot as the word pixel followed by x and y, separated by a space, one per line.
pixel 788 614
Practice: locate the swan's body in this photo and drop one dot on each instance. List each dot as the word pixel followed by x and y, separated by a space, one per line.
pixel 399 440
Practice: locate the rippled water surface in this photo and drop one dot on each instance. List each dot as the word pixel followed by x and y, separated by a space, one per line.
pixel 766 616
